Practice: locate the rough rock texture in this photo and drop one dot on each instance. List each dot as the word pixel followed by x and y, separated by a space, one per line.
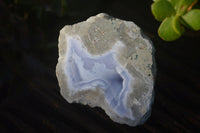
pixel 107 62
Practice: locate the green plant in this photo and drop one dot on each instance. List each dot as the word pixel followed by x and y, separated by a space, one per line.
pixel 175 15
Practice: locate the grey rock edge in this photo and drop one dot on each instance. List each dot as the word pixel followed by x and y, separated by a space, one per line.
pixel 99 34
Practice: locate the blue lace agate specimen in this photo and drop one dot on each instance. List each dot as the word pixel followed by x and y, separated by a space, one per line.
pixel 108 63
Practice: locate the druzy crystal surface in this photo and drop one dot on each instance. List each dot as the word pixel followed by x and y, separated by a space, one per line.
pixel 107 62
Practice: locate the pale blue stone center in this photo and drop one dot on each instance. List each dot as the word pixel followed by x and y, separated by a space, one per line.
pixel 86 71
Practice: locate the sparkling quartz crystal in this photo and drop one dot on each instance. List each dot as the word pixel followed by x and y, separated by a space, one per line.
pixel 107 62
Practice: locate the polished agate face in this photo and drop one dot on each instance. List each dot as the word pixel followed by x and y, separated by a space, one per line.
pixel 86 72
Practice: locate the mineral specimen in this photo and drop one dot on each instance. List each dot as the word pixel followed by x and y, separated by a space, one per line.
pixel 107 62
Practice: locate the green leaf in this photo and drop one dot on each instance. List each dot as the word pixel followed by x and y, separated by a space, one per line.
pixel 162 9
pixel 185 6
pixel 170 29
pixel 174 3
pixel 192 19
